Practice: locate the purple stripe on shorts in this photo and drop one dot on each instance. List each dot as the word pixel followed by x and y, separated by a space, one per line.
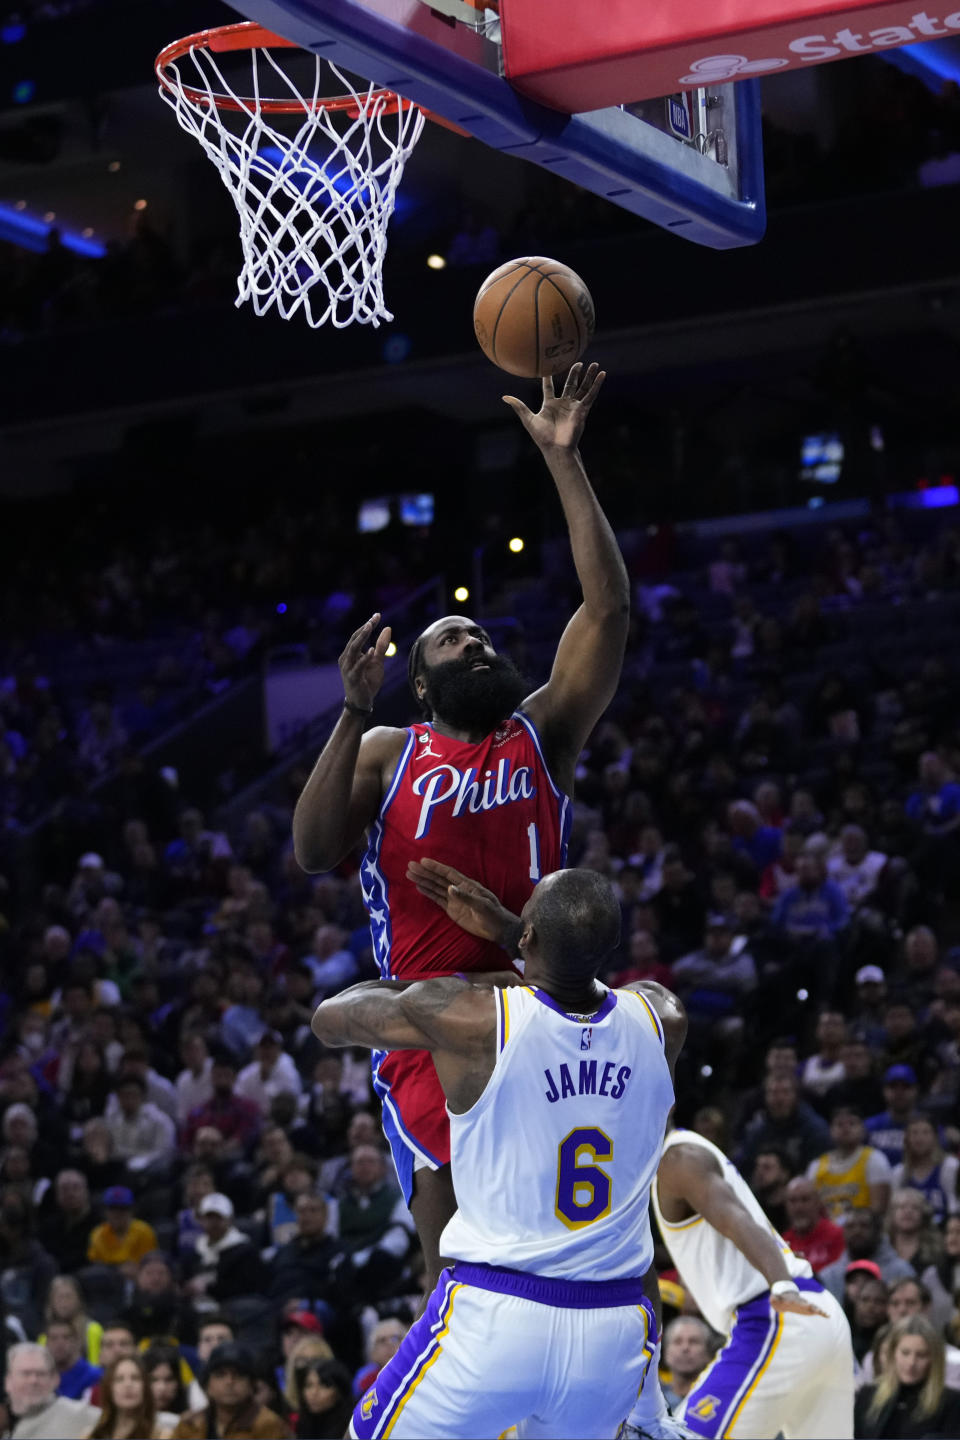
pixel 379 1405
pixel 550 1290
pixel 708 1407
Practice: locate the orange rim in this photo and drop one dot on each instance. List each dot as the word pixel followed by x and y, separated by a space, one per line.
pixel 248 35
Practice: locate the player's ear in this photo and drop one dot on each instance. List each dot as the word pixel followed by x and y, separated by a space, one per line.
pixel 528 938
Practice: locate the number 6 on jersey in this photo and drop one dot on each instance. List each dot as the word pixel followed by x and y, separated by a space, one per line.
pixel 583 1191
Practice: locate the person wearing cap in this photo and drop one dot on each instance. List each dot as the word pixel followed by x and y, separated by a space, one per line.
pixel 865 1242
pixel 811 1233
pixel 868 1316
pixel 886 1130
pixel 271 1073
pixel 870 1003
pixel 232 1411
pixel 121 1239
pixel 225 1263
pixel 851 1174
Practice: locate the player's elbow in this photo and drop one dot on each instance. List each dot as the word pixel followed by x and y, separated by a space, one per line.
pixel 314 853
pixel 324 1024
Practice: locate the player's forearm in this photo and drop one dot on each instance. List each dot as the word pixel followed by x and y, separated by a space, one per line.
pixel 596 554
pixel 752 1240
pixel 320 816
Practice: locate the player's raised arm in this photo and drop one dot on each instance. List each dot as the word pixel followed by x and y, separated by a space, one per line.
pixel 343 794
pixel 589 659
pixel 690 1177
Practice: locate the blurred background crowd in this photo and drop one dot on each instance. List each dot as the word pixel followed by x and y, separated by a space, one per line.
pixel 200 1231
pixel 775 796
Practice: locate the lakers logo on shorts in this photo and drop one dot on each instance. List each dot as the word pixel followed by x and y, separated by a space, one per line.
pixel 706 1408
pixel 368 1403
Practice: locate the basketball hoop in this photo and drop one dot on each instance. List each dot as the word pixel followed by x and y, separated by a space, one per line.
pixel 314 205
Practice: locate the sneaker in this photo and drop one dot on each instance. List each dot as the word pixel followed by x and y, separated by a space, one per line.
pixel 668 1427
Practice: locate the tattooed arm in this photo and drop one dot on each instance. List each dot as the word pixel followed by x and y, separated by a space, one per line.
pixel 444 1014
pixel 453 1019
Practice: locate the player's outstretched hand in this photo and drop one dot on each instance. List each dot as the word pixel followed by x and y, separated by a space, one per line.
pixel 794 1305
pixel 559 422
pixel 468 903
pixel 361 664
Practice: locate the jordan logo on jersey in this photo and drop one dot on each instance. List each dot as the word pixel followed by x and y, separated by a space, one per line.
pixel 427 742
pixel 466 791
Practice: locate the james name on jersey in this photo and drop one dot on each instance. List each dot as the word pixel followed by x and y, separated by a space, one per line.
pixel 587 1081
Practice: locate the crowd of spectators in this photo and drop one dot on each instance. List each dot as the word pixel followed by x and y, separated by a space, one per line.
pixel 196 1206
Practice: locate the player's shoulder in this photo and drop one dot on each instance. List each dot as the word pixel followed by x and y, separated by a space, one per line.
pixel 384 740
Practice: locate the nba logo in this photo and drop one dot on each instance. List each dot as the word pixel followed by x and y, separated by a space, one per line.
pixel 678 116
pixel 586 1037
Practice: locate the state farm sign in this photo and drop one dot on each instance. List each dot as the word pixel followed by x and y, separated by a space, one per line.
pixel 574 56
pixel 814 49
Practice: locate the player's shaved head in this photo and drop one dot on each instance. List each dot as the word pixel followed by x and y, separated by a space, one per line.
pixel 572 920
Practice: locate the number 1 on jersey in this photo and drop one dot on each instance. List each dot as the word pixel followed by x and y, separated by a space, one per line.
pixel 534 839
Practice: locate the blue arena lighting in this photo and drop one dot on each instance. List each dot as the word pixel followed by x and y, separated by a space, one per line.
pixel 18 228
pixel 23 92
pixel 396 349
pixel 281 608
pixel 12 32
pixel 932 62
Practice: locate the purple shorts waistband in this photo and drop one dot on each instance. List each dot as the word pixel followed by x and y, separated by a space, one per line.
pixel 550 1290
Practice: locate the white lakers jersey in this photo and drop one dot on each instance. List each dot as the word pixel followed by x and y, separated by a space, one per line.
pixel 553 1164
pixel 711 1267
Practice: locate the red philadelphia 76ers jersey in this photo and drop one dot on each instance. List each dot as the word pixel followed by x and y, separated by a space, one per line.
pixel 490 810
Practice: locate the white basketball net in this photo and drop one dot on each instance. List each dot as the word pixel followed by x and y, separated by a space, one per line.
pixel 314 206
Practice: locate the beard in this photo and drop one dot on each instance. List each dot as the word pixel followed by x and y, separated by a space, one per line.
pixel 468 699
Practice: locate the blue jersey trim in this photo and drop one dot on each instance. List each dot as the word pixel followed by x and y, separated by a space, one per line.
pixel 373 883
pixel 565 816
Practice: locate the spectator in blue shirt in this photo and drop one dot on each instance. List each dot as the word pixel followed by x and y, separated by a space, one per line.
pixel 760 843
pixel 935 805
pixel 885 1131
pixel 77 1375
pixel 815 907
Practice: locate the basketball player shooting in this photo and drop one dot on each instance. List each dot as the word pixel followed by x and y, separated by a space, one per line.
pixel 542 1320
pixel 485 782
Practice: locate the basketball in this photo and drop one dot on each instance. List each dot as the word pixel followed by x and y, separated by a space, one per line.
pixel 533 317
